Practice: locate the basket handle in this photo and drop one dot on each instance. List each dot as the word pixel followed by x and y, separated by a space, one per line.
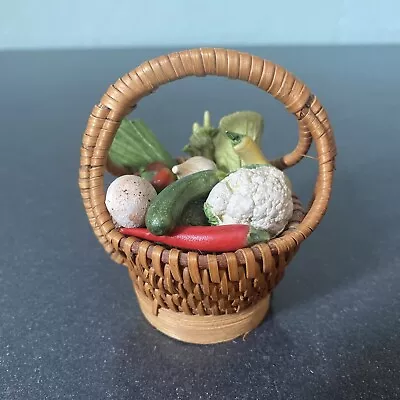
pixel 121 98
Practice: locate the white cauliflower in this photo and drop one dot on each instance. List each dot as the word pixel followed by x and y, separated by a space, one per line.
pixel 258 196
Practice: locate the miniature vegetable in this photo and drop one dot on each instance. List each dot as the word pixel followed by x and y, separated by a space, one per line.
pixel 257 196
pixel 127 200
pixel 160 178
pixel 247 123
pixel 249 152
pixel 213 143
pixel 135 146
pixel 166 209
pixel 193 213
pixel 205 238
pixel 192 165
pixel 201 140
pixel 155 166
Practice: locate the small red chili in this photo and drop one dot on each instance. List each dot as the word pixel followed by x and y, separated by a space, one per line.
pixel 205 238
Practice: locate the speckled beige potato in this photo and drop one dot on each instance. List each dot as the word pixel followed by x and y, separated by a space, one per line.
pixel 127 200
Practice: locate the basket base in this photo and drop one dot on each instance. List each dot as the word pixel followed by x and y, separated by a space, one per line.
pixel 207 329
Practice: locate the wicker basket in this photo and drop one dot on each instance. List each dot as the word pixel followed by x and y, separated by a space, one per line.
pixel 205 298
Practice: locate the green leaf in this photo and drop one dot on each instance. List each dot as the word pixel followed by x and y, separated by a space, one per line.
pixel 248 123
pixel 135 145
pixel 212 218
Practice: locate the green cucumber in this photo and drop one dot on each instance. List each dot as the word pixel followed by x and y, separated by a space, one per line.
pixel 167 207
pixel 193 214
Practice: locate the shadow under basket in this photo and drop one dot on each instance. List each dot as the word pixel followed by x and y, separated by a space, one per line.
pixel 191 296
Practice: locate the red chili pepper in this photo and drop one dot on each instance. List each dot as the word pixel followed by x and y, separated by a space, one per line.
pixel 205 238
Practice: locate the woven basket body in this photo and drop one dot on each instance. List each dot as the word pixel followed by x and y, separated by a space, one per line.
pixel 205 298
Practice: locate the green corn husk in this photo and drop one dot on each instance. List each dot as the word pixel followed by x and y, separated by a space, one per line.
pixel 135 146
pixel 248 123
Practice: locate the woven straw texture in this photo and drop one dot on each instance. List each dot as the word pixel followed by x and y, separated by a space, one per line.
pixel 189 282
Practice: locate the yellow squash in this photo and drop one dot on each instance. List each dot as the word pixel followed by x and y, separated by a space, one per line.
pixel 249 152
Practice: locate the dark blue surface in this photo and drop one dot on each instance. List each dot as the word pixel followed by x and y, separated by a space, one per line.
pixel 70 327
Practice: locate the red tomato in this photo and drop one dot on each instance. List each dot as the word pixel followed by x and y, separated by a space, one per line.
pixel 162 179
